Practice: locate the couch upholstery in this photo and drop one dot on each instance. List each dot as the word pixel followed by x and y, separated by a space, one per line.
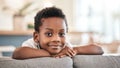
pixel 79 61
pixel 96 61
pixel 46 62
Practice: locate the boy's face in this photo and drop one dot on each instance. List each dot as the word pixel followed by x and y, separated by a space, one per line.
pixel 52 34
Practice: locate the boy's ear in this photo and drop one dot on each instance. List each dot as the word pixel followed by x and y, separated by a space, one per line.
pixel 36 36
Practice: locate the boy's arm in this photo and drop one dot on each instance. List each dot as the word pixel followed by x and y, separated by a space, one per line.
pixel 90 49
pixel 27 52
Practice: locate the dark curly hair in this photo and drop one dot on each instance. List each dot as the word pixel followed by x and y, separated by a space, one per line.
pixel 46 13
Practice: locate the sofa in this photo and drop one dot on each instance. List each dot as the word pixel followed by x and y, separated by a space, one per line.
pixel 78 61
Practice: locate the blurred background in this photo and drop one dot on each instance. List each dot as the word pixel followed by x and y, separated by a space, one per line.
pixel 90 21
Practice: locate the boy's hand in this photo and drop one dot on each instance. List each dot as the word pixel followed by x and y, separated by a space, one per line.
pixel 67 51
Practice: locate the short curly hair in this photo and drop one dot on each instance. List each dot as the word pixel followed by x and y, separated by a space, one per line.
pixel 46 13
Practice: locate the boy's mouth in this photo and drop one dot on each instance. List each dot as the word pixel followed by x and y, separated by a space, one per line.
pixel 55 47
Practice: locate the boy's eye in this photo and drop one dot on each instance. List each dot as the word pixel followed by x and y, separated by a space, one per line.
pixel 61 34
pixel 48 34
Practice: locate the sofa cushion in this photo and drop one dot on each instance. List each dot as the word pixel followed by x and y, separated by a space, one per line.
pixel 46 62
pixel 96 61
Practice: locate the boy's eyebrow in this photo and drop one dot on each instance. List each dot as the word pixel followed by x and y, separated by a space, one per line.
pixel 49 29
pixel 52 29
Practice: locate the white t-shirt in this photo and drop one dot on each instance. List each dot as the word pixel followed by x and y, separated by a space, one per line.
pixel 31 43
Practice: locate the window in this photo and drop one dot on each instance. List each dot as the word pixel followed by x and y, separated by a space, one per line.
pixel 101 16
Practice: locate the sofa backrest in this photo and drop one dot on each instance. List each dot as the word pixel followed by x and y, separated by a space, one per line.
pixel 78 61
pixel 46 62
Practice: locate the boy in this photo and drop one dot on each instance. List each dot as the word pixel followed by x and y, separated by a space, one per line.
pixel 50 38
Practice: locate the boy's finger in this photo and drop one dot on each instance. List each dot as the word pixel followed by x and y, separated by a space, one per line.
pixel 62 56
pixel 71 52
pixel 58 55
pixel 68 54
pixel 74 52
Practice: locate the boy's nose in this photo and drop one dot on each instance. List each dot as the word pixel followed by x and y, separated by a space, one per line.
pixel 56 38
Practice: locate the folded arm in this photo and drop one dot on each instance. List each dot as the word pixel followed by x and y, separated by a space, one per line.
pixel 27 52
pixel 90 49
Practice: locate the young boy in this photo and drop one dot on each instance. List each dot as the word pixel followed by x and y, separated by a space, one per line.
pixel 50 38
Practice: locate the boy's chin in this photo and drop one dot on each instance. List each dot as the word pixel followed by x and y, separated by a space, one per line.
pixel 54 52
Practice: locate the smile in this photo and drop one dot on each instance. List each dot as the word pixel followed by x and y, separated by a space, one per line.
pixel 55 47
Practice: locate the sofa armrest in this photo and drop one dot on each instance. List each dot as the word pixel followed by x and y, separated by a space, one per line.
pixel 96 61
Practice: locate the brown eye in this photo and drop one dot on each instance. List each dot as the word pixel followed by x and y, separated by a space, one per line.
pixel 61 34
pixel 48 34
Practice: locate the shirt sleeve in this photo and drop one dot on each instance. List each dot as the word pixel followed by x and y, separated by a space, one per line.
pixel 30 43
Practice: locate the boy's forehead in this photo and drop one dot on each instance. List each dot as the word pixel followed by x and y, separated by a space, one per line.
pixel 53 22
